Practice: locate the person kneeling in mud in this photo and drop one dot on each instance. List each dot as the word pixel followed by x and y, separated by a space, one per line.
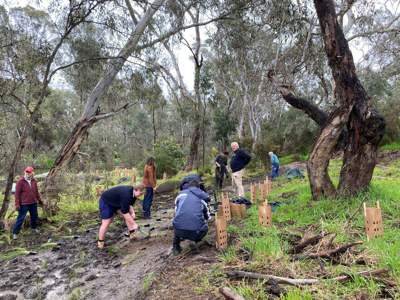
pixel 119 199
pixel 191 215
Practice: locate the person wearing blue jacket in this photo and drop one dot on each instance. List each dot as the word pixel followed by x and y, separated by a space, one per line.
pixel 274 164
pixel 191 215
pixel 239 161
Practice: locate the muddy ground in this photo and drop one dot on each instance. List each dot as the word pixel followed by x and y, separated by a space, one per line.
pixel 73 268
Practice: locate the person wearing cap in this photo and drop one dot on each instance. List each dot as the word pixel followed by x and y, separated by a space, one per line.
pixel 119 199
pixel 27 197
pixel 239 161
pixel 274 164
pixel 191 214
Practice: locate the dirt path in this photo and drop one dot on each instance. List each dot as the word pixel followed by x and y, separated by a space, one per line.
pixel 75 267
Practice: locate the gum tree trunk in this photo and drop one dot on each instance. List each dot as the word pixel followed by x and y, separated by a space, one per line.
pixel 365 126
pixel 91 113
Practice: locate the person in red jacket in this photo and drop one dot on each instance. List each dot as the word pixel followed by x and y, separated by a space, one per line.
pixel 27 198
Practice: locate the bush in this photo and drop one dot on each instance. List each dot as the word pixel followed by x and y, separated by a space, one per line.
pixel 169 157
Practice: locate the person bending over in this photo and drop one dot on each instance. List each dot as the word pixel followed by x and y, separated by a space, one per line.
pixel 119 199
pixel 191 215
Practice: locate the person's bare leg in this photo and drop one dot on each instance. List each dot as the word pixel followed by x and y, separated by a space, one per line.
pixel 102 231
pixel 131 224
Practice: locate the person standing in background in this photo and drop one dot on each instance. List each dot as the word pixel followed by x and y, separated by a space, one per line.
pixel 27 198
pixel 239 161
pixel 149 182
pixel 274 164
pixel 221 161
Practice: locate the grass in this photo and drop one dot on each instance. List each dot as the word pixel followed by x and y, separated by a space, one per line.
pixel 13 253
pixel 391 147
pixel 268 248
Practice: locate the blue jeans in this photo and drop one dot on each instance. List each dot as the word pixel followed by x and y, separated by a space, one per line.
pixel 22 212
pixel 147 201
pixel 275 171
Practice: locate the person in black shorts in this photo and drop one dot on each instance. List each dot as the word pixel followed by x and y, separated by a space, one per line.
pixel 119 199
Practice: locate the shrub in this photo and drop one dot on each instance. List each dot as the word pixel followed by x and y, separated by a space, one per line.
pixel 169 157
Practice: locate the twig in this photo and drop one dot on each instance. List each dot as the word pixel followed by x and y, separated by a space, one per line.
pixel 330 253
pixel 310 241
pixel 229 294
pixel 296 282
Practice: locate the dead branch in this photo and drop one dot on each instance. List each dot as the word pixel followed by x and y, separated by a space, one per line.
pixel 310 241
pixel 298 282
pixel 229 294
pixel 284 280
pixel 347 277
pixel 330 253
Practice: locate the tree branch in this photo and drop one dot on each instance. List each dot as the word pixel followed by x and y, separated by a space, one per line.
pixel 319 116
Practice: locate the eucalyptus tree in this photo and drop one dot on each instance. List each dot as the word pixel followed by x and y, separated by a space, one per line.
pixel 352 120
pixel 48 38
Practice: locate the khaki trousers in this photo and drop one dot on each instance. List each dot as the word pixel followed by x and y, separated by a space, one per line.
pixel 237 182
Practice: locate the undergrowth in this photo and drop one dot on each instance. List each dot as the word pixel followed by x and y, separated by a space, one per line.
pixel 267 248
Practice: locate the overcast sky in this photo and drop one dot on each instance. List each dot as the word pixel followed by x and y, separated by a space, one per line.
pixel 183 54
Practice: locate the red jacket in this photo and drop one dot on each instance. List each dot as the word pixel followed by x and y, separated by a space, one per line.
pixel 25 193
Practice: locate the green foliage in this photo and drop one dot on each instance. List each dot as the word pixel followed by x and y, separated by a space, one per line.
pixel 395 146
pixel 224 125
pixel 169 157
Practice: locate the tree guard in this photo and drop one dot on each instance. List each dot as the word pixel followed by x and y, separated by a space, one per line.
pixel 265 215
pixel 221 233
pixel 226 207
pixel 373 221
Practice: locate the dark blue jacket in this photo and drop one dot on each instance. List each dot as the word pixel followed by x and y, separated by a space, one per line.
pixel 191 210
pixel 119 197
pixel 239 160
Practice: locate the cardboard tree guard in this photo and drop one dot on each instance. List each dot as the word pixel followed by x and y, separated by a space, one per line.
pixel 373 221
pixel 238 210
pixel 265 215
pixel 226 207
pixel 221 234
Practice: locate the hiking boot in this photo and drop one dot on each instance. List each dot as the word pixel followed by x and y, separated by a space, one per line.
pixel 176 250
pixel 15 236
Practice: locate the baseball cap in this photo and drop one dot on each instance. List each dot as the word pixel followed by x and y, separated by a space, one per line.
pixel 28 169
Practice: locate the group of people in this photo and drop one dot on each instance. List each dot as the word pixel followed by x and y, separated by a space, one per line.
pixel 238 162
pixel 191 204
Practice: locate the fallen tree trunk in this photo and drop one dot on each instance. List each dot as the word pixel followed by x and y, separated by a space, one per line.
pixel 229 294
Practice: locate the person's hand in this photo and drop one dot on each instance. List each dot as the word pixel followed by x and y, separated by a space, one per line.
pixel 17 207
